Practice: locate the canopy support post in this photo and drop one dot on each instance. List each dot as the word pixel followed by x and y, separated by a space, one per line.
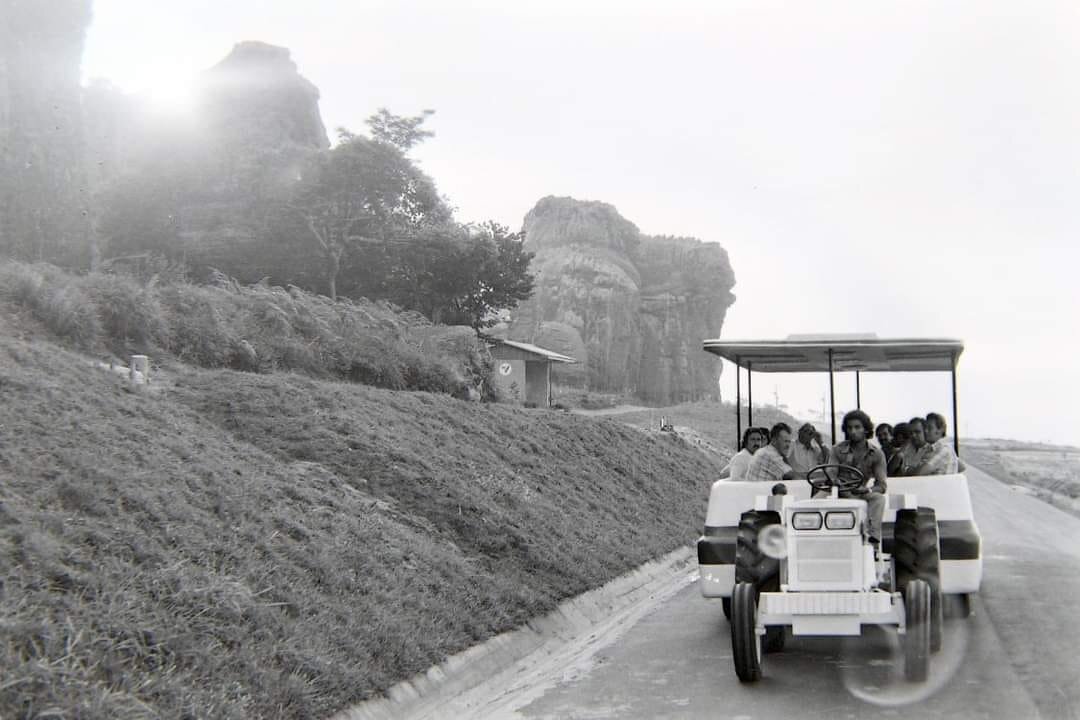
pixel 749 395
pixel 832 399
pixel 738 405
pixel 858 395
pixel 955 427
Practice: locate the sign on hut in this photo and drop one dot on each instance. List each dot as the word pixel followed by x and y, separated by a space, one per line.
pixel 523 371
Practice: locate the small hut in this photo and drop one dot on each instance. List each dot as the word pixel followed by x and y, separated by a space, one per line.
pixel 523 371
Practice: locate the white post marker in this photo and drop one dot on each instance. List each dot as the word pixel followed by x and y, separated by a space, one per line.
pixel 140 364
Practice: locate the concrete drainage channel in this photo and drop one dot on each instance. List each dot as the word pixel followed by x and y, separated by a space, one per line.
pixel 511 669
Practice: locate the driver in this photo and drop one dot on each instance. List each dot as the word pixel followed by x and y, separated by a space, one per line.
pixel 870 461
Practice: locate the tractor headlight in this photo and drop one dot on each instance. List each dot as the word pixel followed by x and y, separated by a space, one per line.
pixel 806 521
pixel 840 520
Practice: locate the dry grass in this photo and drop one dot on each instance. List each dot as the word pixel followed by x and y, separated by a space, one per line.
pixel 707 424
pixel 271 545
pixel 1050 472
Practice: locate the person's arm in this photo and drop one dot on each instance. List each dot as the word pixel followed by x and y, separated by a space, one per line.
pixel 726 472
pixel 933 463
pixel 824 451
pixel 879 480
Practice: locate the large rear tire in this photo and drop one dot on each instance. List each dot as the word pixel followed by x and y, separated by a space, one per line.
pixel 917 556
pixel 745 642
pixel 917 637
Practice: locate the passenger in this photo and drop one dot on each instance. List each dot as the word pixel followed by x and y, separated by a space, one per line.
pixel 752 440
pixel 915 450
pixel 940 459
pixel 856 451
pixel 808 452
pixel 901 437
pixel 768 464
pixel 884 434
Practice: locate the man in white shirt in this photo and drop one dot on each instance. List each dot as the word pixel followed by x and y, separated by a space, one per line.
pixel 737 467
pixel 940 458
pixel 808 452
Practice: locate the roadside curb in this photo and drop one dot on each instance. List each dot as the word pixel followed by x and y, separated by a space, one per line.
pixel 426 692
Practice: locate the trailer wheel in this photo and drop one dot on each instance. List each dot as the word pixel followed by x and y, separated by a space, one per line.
pixel 917 556
pixel 957 606
pixel 917 637
pixel 751 564
pixel 745 642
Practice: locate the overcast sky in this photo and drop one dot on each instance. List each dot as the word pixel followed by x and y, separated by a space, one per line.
pixel 909 169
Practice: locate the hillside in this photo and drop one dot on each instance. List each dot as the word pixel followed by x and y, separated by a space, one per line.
pixel 708 425
pixel 231 544
pixel 1050 472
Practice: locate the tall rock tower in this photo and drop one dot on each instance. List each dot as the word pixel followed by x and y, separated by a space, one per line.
pixel 634 308
pixel 44 201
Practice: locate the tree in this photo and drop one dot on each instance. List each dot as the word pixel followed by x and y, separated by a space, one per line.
pixel 360 192
pixel 460 273
pixel 399 131
pixel 497 269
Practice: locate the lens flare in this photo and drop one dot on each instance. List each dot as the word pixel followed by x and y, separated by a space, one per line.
pixel 873 670
pixel 772 541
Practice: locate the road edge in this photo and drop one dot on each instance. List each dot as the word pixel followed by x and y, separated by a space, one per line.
pixel 573 618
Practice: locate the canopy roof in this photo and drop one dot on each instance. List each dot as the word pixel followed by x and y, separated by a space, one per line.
pixel 536 350
pixel 864 352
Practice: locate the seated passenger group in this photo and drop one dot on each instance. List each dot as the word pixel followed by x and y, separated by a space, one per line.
pixel 917 447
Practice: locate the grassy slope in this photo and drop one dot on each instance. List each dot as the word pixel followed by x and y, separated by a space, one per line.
pixel 241 545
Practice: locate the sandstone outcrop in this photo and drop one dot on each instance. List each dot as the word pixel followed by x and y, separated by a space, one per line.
pixel 633 308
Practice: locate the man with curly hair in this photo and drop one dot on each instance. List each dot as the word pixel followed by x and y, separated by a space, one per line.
pixel 856 451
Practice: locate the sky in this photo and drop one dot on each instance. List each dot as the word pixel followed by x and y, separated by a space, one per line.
pixel 909 169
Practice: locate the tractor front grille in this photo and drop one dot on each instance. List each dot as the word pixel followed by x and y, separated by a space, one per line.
pixel 828 560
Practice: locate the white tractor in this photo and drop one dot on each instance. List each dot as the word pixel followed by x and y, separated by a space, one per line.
pixel 795 556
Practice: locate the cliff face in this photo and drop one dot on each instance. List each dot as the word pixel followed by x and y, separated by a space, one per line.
pixel 633 308
pixel 43 196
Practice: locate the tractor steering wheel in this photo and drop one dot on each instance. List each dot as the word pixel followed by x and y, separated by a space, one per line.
pixel 848 478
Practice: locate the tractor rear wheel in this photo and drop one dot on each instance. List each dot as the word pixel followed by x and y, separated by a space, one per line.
pixel 917 637
pixel 745 642
pixel 917 556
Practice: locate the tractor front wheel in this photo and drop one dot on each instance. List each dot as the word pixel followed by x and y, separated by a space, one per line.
pixel 745 642
pixel 917 555
pixel 917 634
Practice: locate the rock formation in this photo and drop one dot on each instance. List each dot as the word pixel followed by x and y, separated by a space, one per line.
pixel 633 308
pixel 208 183
pixel 43 195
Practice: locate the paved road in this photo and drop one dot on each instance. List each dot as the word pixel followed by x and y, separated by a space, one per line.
pixel 1017 656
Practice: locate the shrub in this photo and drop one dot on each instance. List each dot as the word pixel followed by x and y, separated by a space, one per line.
pixel 251 328
pixel 197 334
pixel 130 313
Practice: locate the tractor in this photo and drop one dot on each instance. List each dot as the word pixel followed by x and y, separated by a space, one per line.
pixel 794 556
